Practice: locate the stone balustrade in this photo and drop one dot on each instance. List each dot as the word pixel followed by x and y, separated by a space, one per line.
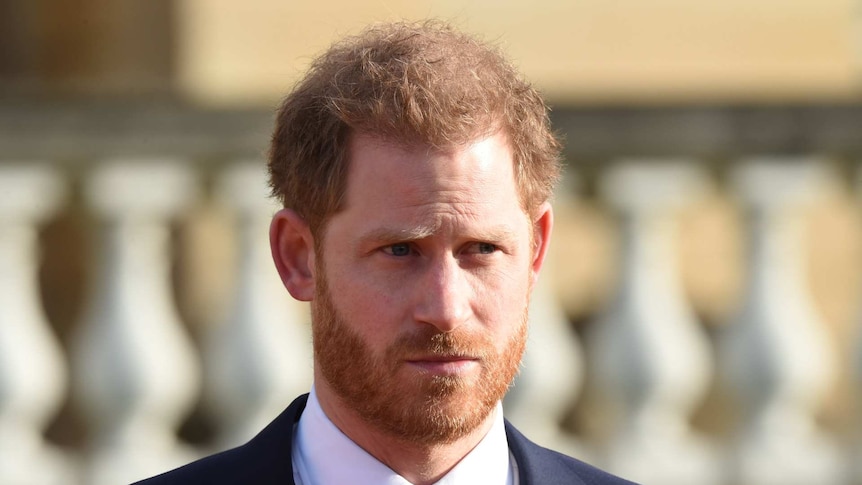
pixel 186 343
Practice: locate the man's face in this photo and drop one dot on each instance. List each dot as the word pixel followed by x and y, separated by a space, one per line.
pixel 422 286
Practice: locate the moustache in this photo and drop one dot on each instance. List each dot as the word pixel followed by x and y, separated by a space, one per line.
pixel 430 343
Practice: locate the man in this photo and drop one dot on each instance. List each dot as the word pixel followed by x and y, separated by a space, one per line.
pixel 415 168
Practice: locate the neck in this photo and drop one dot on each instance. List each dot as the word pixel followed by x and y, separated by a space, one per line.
pixel 418 463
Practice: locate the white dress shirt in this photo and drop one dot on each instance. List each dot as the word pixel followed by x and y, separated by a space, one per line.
pixel 323 455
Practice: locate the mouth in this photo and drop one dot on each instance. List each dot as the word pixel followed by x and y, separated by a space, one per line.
pixel 444 365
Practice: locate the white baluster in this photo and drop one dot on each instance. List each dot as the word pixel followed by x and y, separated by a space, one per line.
pixel 136 373
pixel 854 462
pixel 258 360
pixel 777 356
pixel 551 374
pixel 649 356
pixel 32 371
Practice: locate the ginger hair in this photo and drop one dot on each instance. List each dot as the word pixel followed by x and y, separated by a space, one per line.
pixel 414 84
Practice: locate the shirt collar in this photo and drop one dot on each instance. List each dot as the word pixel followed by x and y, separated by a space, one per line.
pixel 323 455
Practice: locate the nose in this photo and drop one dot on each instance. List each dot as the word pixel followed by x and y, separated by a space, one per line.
pixel 443 296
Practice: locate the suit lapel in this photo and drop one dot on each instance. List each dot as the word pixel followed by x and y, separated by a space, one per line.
pixel 517 445
pixel 272 448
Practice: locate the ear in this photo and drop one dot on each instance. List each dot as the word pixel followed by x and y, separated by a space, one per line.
pixel 542 226
pixel 292 248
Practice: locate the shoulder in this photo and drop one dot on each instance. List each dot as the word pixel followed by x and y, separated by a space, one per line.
pixel 264 459
pixel 538 465
pixel 228 467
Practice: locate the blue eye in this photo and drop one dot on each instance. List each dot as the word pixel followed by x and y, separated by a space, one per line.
pixel 400 249
pixel 486 248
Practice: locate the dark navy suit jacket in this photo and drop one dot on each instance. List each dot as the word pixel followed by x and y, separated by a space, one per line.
pixel 266 459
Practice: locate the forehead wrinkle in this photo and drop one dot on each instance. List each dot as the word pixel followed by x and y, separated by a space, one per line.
pixel 468 218
pixel 396 234
pixel 496 233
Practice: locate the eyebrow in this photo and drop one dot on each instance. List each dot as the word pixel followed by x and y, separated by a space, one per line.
pixel 393 235
pixel 386 235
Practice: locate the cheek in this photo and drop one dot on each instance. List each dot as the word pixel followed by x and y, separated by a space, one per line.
pixel 504 283
pixel 359 297
pixel 371 310
pixel 500 302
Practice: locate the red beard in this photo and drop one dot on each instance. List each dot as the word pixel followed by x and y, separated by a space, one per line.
pixel 422 408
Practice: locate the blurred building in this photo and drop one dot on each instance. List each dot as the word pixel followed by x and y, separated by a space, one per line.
pixel 704 302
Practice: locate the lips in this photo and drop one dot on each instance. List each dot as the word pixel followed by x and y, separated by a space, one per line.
pixel 441 358
pixel 444 365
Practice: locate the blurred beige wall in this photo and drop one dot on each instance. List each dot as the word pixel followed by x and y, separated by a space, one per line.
pixel 584 52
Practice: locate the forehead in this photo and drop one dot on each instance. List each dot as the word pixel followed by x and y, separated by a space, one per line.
pixel 413 169
pixel 398 187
